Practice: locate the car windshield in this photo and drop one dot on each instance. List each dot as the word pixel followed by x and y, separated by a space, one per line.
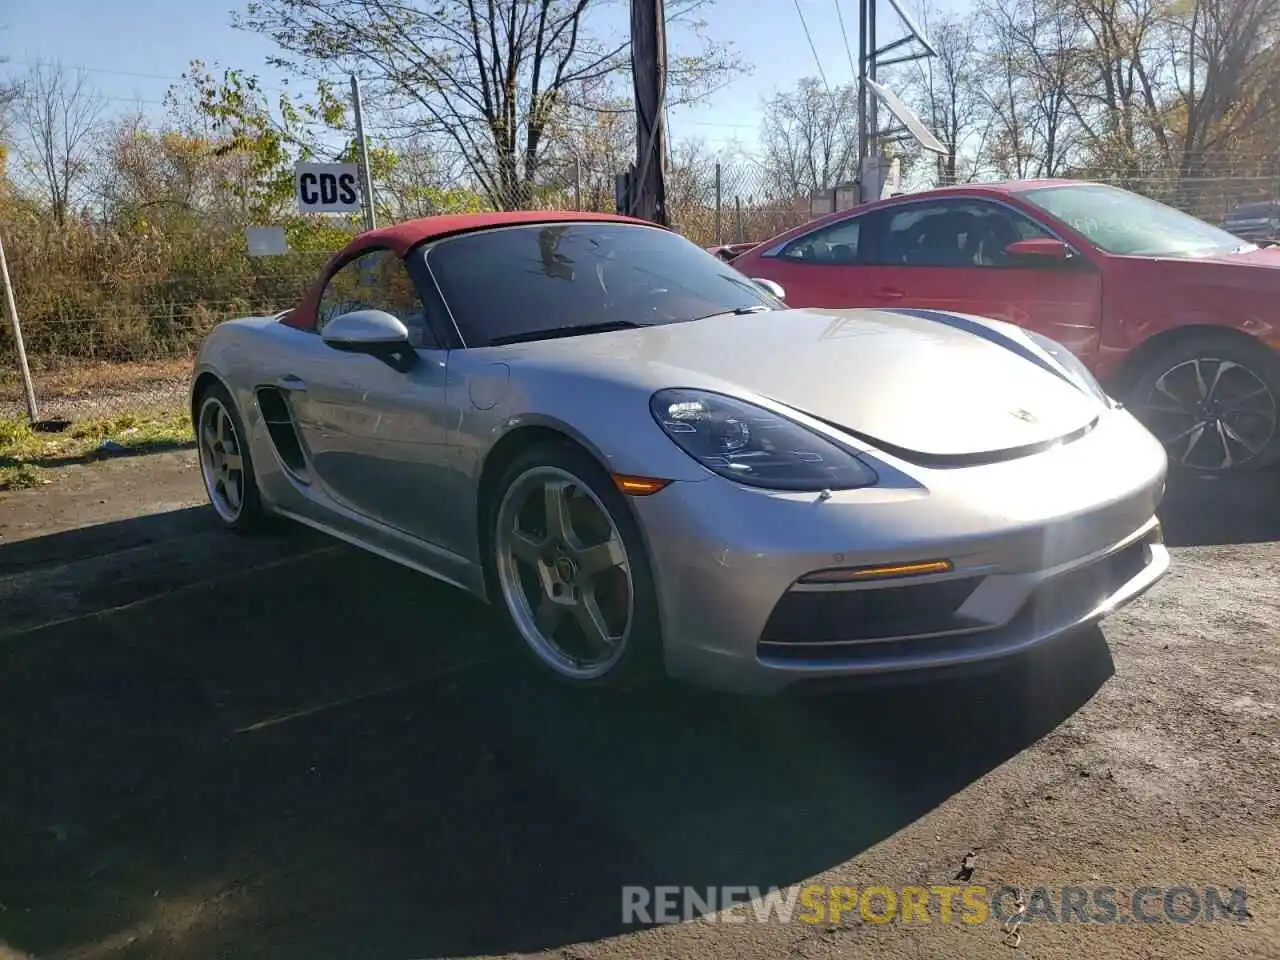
pixel 513 283
pixel 1120 222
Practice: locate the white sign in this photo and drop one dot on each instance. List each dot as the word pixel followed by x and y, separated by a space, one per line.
pixel 327 187
pixel 266 241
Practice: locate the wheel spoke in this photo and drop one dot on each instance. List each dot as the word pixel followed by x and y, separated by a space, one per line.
pixel 548 617
pixel 1236 403
pixel 1228 432
pixel 1170 410
pixel 1223 367
pixel 232 491
pixel 233 461
pixel 1194 434
pixel 221 433
pixel 1198 425
pixel 556 497
pixel 526 548
pixel 209 439
pixel 1163 388
pixel 594 560
pixel 1227 460
pixel 1201 387
pixel 591 620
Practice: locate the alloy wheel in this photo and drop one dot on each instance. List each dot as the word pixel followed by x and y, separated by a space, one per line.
pixel 221 460
pixel 564 572
pixel 1211 414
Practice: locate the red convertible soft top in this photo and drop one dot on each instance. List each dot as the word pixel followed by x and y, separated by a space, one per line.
pixel 403 237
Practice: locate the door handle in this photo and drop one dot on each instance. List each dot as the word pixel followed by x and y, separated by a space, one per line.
pixel 290 382
pixel 890 293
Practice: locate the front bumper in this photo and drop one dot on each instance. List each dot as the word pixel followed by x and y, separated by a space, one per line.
pixel 1038 546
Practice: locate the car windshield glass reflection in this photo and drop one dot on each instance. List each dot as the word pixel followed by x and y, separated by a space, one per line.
pixel 511 284
pixel 1117 221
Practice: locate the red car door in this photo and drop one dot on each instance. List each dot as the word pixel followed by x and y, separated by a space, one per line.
pixel 952 255
pixel 817 269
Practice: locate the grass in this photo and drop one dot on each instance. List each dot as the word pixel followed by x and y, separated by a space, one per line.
pixel 27 457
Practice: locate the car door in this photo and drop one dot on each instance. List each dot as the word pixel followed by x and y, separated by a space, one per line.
pixel 950 255
pixel 820 268
pixel 377 431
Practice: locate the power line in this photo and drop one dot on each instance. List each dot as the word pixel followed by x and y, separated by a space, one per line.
pixel 809 37
pixel 853 71
pixel 83 68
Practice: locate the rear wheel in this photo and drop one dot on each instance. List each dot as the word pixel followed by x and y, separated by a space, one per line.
pixel 1213 400
pixel 225 463
pixel 571 572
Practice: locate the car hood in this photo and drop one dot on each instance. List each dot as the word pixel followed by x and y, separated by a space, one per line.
pixel 1262 258
pixel 928 387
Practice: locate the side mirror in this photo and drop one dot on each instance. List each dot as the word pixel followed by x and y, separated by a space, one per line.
pixel 768 286
pixel 367 331
pixel 1042 248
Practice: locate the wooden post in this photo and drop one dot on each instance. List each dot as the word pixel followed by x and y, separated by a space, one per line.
pixel 649 74
pixel 719 188
pixel 742 236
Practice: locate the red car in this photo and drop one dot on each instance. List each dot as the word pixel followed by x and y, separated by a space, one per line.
pixel 1177 318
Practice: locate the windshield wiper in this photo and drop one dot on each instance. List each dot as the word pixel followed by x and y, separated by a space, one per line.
pixel 736 312
pixel 573 330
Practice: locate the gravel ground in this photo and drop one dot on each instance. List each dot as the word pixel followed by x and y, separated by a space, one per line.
pixel 103 402
pixel 284 748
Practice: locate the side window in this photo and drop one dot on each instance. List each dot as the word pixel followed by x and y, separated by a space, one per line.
pixel 835 243
pixel 953 234
pixel 377 280
pixel 926 235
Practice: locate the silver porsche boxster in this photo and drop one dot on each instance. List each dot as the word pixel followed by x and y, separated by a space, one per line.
pixel 650 464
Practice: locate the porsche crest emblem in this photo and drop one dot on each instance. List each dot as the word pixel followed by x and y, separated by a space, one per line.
pixel 1026 416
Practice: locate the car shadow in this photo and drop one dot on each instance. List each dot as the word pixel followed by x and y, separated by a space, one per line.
pixel 337 757
pixel 1206 510
pixel 97 454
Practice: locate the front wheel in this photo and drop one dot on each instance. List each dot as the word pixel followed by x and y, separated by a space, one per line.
pixel 571 570
pixel 1213 400
pixel 226 465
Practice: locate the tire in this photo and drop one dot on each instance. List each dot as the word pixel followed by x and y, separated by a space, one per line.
pixel 540 580
pixel 221 439
pixel 1232 423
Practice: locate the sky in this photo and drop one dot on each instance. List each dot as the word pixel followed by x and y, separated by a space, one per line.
pixel 132 50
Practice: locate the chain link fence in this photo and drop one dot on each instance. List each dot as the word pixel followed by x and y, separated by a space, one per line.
pixel 110 325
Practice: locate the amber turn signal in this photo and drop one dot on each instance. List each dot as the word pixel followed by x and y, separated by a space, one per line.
pixel 849 574
pixel 638 486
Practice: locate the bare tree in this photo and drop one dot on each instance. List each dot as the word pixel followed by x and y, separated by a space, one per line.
pixel 57 119
pixel 1229 81
pixel 489 75
pixel 810 137
pixel 1033 61
pixel 594 144
pixel 948 93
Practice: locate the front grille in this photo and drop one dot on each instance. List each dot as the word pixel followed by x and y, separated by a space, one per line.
pixel 868 614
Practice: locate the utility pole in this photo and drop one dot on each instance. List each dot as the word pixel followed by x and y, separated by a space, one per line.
pixel 871 136
pixel 362 149
pixel 33 412
pixel 648 194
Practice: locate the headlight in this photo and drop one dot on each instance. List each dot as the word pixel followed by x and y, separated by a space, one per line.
pixel 1072 365
pixel 751 445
